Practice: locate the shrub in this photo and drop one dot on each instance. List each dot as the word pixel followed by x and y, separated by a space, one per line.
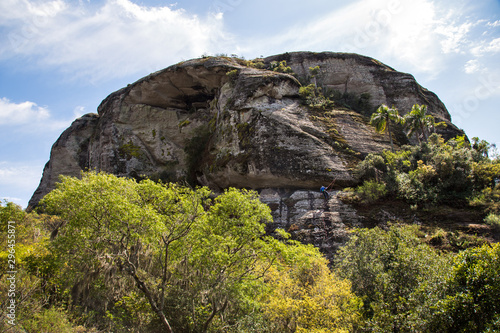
pixel 281 67
pixel 371 191
pixel 488 199
pixel 398 277
pixel 305 296
pixel 49 320
pixel 473 300
pixel 232 75
pixel 314 97
pixel 493 220
pixel 372 167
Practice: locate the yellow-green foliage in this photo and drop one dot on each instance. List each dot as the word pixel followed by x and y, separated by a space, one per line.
pixel 281 67
pixel 34 283
pixel 255 63
pixel 129 150
pixel 51 320
pixel 493 220
pixel 314 70
pixel 313 97
pixel 371 191
pixel 232 75
pixel 199 262
pixel 435 172
pixel 485 173
pixel 305 296
pixel 184 123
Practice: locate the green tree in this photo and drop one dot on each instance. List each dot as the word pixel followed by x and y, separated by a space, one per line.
pixel 305 296
pixel 382 118
pixel 473 301
pixel 372 167
pixel 190 256
pixel 23 239
pixel 314 71
pixel 418 122
pixel 431 172
pixel 482 148
pixel 398 277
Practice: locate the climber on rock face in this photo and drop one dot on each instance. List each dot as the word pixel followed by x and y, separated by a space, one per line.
pixel 325 192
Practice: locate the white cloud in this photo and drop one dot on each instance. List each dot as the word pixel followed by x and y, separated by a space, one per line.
pixel 79 111
pixel 455 36
pixel 21 113
pixel 491 47
pixel 116 39
pixel 494 24
pixel 416 34
pixel 472 66
pixel 28 117
pixel 36 11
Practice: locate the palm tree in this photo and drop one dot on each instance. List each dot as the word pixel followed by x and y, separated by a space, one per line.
pixel 418 122
pixel 382 118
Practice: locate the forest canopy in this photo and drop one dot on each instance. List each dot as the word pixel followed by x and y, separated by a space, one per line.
pixel 109 254
pixel 112 254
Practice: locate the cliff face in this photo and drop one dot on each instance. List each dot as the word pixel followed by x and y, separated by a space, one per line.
pixel 222 122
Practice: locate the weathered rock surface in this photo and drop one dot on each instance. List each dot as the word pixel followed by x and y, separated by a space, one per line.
pixel 311 219
pixel 221 122
pixel 347 72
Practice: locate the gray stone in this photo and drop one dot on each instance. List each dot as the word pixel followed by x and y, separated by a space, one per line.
pixel 221 123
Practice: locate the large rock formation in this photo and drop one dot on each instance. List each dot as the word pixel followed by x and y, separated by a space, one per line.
pixel 222 122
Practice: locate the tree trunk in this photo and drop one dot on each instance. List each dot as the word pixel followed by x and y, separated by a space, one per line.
pixel 390 136
pixel 140 284
pixel 212 315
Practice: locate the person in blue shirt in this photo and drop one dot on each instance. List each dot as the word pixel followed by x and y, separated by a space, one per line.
pixel 325 192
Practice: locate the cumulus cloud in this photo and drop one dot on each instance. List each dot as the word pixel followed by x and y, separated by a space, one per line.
pixel 21 113
pixel 455 36
pixel 30 118
pixel 114 39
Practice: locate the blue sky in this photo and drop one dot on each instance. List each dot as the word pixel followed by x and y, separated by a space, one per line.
pixel 59 59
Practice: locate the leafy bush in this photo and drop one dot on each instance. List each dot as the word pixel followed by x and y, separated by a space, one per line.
pixel 371 191
pixel 488 199
pixel 50 320
pixel 473 296
pixel 485 174
pixel 281 67
pixel 430 173
pixel 314 98
pixel 397 276
pixel 372 167
pixel 232 75
pixel 493 220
